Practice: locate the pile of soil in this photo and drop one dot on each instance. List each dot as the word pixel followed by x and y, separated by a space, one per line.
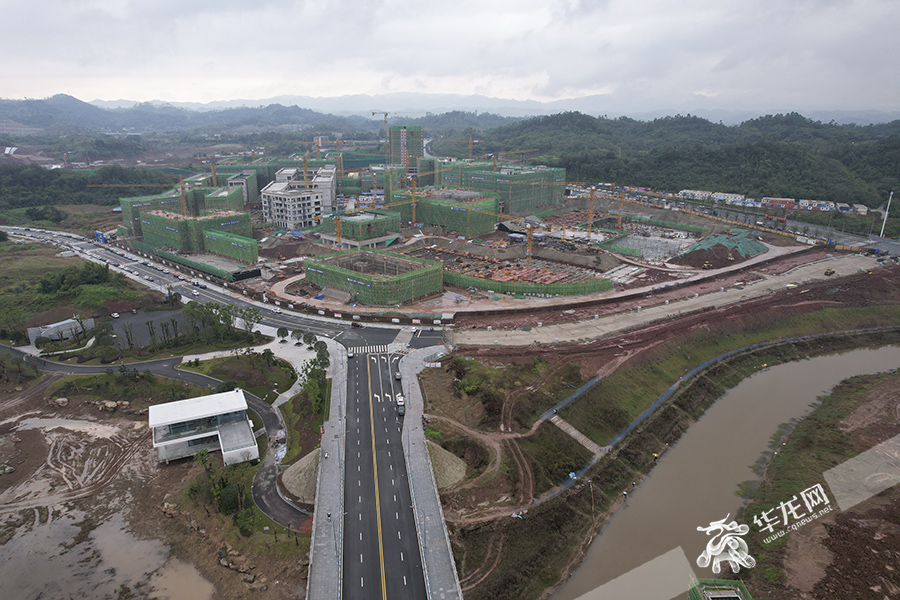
pixel 717 257
pixel 449 469
pixel 300 478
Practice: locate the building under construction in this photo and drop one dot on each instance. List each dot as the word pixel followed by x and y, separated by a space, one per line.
pixel 227 233
pixel 407 144
pixel 194 201
pixel 465 212
pixel 375 277
pixel 365 225
pixel 519 190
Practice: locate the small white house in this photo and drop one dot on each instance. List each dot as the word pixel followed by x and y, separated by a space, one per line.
pixel 215 422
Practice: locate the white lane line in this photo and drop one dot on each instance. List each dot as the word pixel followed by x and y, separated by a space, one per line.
pixel 395 495
pixel 361 584
pixel 360 535
pixel 389 453
pixel 398 535
pixel 401 557
pixel 397 515
pixel 404 580
pixel 360 558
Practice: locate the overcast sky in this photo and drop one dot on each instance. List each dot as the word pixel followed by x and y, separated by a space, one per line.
pixel 761 55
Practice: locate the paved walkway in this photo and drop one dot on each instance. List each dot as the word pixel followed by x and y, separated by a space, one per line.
pixel 441 579
pixel 579 437
pixel 326 569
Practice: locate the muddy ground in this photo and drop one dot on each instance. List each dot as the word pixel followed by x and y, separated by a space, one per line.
pixel 85 498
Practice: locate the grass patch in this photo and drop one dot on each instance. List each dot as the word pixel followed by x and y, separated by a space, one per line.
pixel 553 454
pixel 252 371
pixel 608 407
pixel 137 388
pixel 815 445
pixel 302 421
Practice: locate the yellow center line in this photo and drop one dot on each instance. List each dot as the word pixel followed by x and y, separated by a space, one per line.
pixel 375 469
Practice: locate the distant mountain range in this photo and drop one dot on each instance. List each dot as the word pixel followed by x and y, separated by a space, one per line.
pixel 348 114
pixel 418 104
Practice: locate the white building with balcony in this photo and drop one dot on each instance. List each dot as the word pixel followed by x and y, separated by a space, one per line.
pixel 215 422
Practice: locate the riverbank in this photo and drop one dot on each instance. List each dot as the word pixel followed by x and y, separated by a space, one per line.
pixel 527 558
pixel 842 554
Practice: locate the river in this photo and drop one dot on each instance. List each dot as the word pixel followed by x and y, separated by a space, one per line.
pixel 696 480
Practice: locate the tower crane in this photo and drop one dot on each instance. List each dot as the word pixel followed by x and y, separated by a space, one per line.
pixel 591 214
pixel 387 138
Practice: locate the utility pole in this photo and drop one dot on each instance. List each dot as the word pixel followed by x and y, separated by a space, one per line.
pixel 886 212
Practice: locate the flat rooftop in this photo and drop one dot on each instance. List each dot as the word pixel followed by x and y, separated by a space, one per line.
pixel 201 407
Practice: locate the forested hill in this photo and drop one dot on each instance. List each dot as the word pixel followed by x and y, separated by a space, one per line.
pixel 781 155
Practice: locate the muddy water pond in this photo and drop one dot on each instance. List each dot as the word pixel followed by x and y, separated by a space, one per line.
pixel 695 482
pixel 55 558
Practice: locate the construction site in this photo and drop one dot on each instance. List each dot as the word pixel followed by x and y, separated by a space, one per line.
pixel 375 277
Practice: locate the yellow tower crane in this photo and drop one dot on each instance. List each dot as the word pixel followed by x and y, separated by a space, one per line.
pixel 212 166
pixel 337 230
pixel 621 206
pixel 305 171
pixel 184 209
pixel 413 203
pixel 590 215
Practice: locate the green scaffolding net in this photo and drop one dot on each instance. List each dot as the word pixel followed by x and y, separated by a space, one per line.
pixel 376 277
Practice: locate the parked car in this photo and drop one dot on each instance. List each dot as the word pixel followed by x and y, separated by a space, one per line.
pixel 356 324
pixel 115 315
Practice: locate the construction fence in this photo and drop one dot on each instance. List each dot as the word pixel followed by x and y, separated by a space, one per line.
pixel 527 288
pixel 376 277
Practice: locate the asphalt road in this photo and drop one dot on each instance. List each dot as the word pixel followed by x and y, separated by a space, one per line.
pixel 380 546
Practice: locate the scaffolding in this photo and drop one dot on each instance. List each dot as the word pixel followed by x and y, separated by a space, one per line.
pixel 519 190
pixel 366 225
pixel 376 277
pixel 223 198
pixel 238 248
pixel 165 229
pixel 454 210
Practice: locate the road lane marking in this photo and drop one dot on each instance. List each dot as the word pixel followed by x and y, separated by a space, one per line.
pixel 401 557
pixel 375 472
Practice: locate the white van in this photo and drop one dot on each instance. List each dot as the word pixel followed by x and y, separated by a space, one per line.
pixel 401 405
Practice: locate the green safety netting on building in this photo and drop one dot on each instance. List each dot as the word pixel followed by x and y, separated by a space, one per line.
pixel 402 278
pixel 365 225
pixel 201 267
pixel 459 216
pixel 519 190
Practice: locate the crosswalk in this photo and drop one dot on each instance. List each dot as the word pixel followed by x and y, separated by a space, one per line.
pixel 379 349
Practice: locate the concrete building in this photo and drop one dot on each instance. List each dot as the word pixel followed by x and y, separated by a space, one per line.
pixel 216 422
pixel 296 199
pixel 247 181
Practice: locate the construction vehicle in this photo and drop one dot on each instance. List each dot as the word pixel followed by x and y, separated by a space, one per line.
pixel 706 266
pixel 829 272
